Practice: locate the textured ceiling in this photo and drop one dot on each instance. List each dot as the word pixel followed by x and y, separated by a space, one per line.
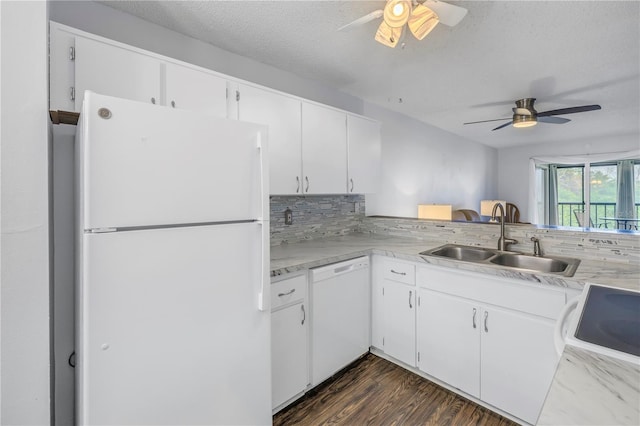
pixel 564 53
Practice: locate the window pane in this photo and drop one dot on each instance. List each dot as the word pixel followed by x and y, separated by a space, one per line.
pixel 604 185
pixel 570 195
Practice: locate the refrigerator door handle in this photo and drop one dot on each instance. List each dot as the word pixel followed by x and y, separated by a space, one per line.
pixel 264 296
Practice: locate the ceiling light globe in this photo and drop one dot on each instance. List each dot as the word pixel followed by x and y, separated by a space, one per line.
pixel 521 124
pixel 396 13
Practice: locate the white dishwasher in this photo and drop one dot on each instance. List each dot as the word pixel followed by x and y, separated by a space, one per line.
pixel 340 312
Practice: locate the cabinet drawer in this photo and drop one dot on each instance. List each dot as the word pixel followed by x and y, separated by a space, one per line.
pixel 399 271
pixel 288 291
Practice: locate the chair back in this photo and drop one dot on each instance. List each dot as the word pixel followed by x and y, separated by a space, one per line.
pixel 512 213
pixel 471 215
pixel 580 217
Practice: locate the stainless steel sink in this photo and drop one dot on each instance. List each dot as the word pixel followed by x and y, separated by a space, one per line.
pixel 535 263
pixel 470 254
pixel 549 264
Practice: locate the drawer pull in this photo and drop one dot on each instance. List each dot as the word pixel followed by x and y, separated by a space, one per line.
pixel 410 306
pixel 486 315
pixel 474 317
pixel 287 293
pixel 398 273
pixel 304 315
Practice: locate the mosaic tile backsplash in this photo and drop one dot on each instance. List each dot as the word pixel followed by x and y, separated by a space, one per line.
pixel 315 216
pixel 333 215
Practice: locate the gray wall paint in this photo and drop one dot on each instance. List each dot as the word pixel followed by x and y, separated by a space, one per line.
pixel 24 193
pixel 514 163
pixel 422 164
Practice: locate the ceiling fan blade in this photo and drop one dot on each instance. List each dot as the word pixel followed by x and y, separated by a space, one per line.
pixel 422 21
pixel 449 14
pixel 387 35
pixel 376 14
pixel 553 120
pixel 502 125
pixel 571 110
pixel 487 121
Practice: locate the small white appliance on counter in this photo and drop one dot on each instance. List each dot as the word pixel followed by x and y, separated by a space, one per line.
pixel 173 259
pixel 340 313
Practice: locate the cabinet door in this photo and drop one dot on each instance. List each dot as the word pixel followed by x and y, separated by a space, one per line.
pixel 324 150
pixel 189 88
pixel 288 353
pixel 282 115
pixel 449 340
pixel 400 322
pixel 518 361
pixel 363 141
pixel 114 71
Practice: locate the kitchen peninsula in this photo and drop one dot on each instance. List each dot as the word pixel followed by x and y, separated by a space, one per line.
pixel 589 381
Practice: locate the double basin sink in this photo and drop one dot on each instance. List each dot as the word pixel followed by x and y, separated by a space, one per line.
pixel 546 264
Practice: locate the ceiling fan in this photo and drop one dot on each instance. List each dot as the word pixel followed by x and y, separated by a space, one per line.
pixel 420 16
pixel 524 115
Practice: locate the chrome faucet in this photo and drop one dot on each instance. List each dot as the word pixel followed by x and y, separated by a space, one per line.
pixel 503 242
pixel 536 247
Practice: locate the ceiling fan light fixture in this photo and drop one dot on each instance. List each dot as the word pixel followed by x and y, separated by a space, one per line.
pixel 422 21
pixel 397 12
pixel 387 35
pixel 520 121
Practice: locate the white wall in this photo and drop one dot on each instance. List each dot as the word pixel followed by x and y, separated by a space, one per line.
pixel 24 237
pixel 422 164
pixel 513 178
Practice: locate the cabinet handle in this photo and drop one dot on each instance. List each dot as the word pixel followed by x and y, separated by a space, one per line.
pixel 173 104
pixel 304 315
pixel 475 311
pixel 351 184
pixel 287 293
pixel 486 315
pixel 297 184
pixel 306 178
pixel 153 101
pixel 399 273
pixel 410 305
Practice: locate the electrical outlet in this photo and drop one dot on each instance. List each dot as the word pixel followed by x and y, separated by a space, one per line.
pixel 288 217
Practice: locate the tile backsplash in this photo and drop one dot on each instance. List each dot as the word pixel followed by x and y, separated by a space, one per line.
pixel 315 216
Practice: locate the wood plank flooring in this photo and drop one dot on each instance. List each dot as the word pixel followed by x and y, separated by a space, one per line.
pixel 374 391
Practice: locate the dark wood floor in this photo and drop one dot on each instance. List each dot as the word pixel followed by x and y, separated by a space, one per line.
pixel 374 391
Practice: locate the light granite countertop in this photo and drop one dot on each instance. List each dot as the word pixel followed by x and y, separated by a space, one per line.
pixel 588 388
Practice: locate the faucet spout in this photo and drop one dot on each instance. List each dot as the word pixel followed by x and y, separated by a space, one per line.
pixel 503 242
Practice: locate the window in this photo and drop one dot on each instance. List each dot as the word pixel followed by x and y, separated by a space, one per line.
pixel 608 191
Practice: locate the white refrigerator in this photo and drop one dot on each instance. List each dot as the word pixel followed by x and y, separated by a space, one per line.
pixel 172 267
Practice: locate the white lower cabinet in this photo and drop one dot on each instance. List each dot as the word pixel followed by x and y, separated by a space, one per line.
pixel 449 340
pixel 289 339
pixel 518 361
pixel 502 356
pixel 394 308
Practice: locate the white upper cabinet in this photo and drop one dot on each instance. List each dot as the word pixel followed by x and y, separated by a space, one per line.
pixel 324 150
pixel 189 88
pixel 282 114
pixel 115 71
pixel 363 141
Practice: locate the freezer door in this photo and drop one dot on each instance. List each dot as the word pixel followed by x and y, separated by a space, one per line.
pixel 169 329
pixel 147 165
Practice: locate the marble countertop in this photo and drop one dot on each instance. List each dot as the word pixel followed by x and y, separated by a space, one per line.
pixel 307 254
pixel 588 388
